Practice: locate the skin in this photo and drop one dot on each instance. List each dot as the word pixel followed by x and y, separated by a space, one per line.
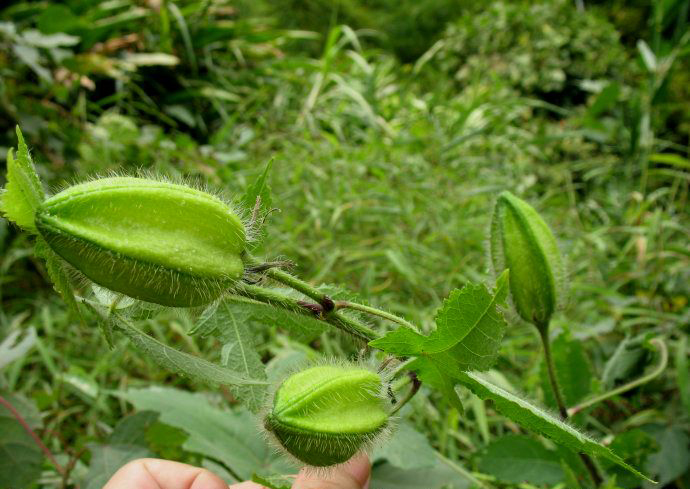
pixel 151 473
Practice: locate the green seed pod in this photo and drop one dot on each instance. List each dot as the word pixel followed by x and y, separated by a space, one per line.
pixel 324 415
pixel 522 242
pixel 155 241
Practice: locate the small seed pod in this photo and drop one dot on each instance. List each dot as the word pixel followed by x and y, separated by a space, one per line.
pixel 522 242
pixel 324 415
pixel 155 241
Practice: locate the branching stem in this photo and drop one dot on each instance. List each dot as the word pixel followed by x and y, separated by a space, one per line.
pixel 375 312
pixel 340 321
pixel 663 361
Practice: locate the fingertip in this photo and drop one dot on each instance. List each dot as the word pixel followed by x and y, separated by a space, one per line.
pixel 359 468
pixel 353 474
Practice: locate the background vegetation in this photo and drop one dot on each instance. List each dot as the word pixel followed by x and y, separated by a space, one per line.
pixel 391 125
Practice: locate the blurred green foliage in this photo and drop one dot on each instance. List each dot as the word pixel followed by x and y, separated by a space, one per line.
pixel 391 126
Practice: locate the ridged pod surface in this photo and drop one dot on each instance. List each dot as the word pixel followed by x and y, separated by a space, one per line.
pixel 522 242
pixel 324 415
pixel 155 241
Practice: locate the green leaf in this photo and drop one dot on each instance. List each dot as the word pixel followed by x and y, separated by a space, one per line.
pixel 131 430
pixel 401 341
pixel 431 372
pixel 515 459
pixel 673 457
pixel 57 271
pixel 634 446
pixel 229 436
pixel 183 363
pixel 573 370
pixel 20 456
pixel 469 327
pixel 628 354
pixel 386 476
pixel 538 420
pixel 469 312
pixel 108 459
pixel 230 325
pixel 273 483
pixel 397 451
pixel 23 193
pixel 166 440
pixel 304 328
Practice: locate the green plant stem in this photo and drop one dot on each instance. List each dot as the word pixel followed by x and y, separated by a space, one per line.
pixel 416 384
pixel 551 369
pixel 340 321
pixel 562 410
pixel 663 361
pixel 329 306
pixel 375 312
pixel 301 286
pixel 295 283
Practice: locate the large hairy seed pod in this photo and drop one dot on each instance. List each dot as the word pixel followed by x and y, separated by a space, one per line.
pixel 522 242
pixel 324 415
pixel 155 241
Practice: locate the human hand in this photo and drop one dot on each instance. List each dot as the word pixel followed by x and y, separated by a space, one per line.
pixel 151 473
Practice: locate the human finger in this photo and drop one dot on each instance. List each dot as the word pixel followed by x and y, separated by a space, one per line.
pixel 152 473
pixel 353 474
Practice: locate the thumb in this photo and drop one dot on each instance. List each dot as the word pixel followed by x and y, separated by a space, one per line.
pixel 353 474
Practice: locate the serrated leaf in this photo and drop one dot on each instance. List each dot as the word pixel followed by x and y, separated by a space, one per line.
pixel 573 371
pixel 20 456
pixel 229 436
pixel 634 446
pixel 23 193
pixel 469 330
pixel 471 309
pixel 183 363
pixel 536 419
pixel 57 272
pixel 231 326
pixel 108 459
pixel 515 459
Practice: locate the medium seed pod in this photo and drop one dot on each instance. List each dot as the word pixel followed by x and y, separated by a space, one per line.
pixel 522 242
pixel 155 241
pixel 324 415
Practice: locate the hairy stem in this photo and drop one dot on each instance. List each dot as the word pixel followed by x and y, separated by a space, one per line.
pixel 7 404
pixel 328 305
pixel 340 321
pixel 562 409
pixel 375 312
pixel 663 361
pixel 551 369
